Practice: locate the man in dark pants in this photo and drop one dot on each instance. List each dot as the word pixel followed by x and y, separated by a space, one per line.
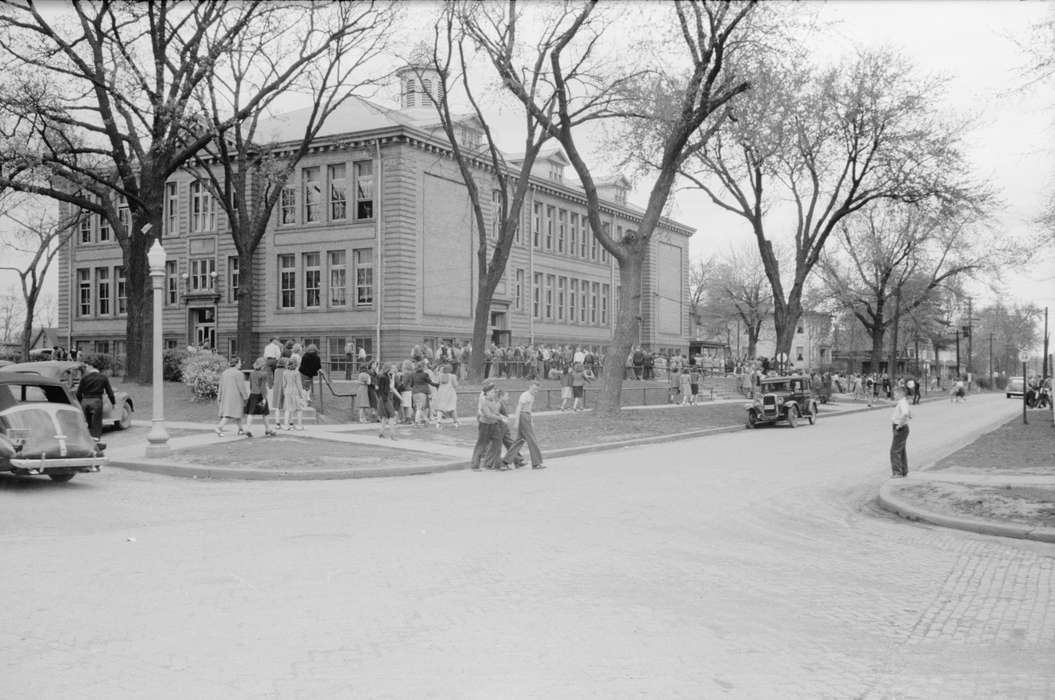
pixel 899 420
pixel 90 393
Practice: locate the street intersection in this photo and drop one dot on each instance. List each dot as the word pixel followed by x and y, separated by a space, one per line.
pixel 751 564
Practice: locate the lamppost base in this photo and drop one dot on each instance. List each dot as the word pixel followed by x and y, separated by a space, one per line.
pixel 157 440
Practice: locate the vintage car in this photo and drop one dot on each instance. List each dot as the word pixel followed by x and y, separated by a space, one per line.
pixel 69 374
pixel 783 398
pixel 42 429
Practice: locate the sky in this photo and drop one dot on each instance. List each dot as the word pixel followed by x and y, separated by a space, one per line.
pixel 976 45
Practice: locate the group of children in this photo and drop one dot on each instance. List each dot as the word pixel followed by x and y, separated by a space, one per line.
pixel 685 386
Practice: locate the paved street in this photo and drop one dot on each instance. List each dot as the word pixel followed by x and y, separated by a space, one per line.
pixel 751 565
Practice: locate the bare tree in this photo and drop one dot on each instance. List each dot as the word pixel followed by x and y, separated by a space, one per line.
pixel 39 237
pixel 101 112
pixel 324 51
pixel 741 292
pixel 888 261
pixel 679 110
pixel 834 141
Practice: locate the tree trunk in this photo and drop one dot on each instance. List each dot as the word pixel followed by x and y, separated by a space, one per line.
pixel 892 364
pixel 246 289
pixel 27 329
pixel 878 334
pixel 481 320
pixel 628 323
pixel 140 322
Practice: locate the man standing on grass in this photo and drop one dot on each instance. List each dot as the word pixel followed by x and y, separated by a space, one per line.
pixel 899 420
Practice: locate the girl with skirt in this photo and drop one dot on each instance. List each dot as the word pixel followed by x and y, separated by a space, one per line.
pixel 385 409
pixel 256 404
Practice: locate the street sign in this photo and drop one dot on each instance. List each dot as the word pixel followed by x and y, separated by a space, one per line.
pixel 1023 356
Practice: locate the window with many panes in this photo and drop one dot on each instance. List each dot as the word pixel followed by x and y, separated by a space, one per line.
pixel 593 247
pixel 363 259
pixel 549 295
pixel 496 213
pixel 312 280
pixel 584 302
pixel 124 219
pixel 287 206
pixel 312 193
pixel 536 225
pixel 536 294
pixel 232 278
pixel 104 229
pixel 102 291
pixel 605 294
pixel 338 192
pixel 607 228
pixel 562 229
pixel 573 234
pixel 573 293
pixel 594 290
pixel 364 189
pixel 201 277
pixel 287 281
pixel 518 292
pixel 84 292
pixel 171 283
pixel 202 211
pixel 338 278
pixel 84 225
pixel 551 214
pixel 122 290
pixel 562 291
pixel 584 237
pixel 171 202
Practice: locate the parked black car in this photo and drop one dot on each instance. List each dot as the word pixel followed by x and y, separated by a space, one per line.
pixel 783 398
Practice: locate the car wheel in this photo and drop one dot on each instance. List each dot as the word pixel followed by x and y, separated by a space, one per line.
pixel 125 421
pixel 812 417
pixel 793 416
pixel 61 477
pixel 752 420
pixel 1009 396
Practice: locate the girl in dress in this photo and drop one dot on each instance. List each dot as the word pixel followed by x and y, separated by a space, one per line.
pixel 385 410
pixel 447 396
pixel 362 397
pixel 256 405
pixel 293 396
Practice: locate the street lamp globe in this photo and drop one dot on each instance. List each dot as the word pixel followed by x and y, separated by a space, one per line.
pixel 156 258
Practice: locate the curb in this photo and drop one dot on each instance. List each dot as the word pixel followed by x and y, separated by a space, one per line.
pixel 902 508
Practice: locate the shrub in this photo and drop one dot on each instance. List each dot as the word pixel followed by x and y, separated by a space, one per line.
pixel 983 383
pixel 99 361
pixel 172 363
pixel 201 372
pixel 1001 382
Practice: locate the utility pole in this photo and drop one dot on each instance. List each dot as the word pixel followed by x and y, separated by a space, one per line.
pixel 992 381
pixel 957 353
pixel 1046 366
pixel 970 334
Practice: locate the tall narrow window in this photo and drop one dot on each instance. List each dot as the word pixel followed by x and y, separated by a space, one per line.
pixel 607 228
pixel 606 293
pixel 518 292
pixel 536 294
pixel 102 291
pixel 573 294
pixel 84 292
pixel 364 189
pixel 584 301
pixel 562 291
pixel 122 290
pixel 201 277
pixel 104 229
pixel 85 227
pixel 562 229
pixel 287 281
pixel 593 247
pixel 573 234
pixel 124 219
pixel 338 278
pixel 536 225
pixel 232 278
pixel 338 192
pixel 288 205
pixel 171 283
pixel 594 292
pixel 312 280
pixel 171 202
pixel 363 259
pixel 551 214
pixel 584 237
pixel 202 216
pixel 550 284
pixel 312 193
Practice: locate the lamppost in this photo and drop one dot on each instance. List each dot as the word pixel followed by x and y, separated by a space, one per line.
pixel 158 437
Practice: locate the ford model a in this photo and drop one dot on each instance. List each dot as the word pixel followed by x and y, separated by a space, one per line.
pixel 783 399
